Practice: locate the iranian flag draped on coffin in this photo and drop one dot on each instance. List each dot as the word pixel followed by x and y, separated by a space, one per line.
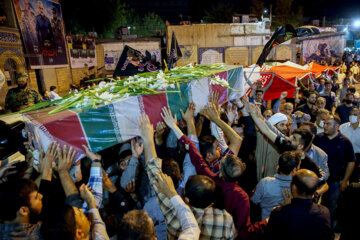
pixel 105 126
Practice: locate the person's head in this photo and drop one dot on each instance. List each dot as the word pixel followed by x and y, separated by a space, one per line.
pixel 200 191
pixel 171 168
pixel 349 98
pixel 321 103
pixel 53 10
pixel 288 108
pixel 346 82
pixel 301 139
pixel 304 184
pixel 19 200
pixel 289 162
pixel 354 115
pixel 22 79
pixel 321 116
pixel 47 94
pixel 52 88
pixel 309 126
pixel 312 98
pixel 322 82
pixel 279 120
pixel 124 156
pixel 239 129
pixel 231 168
pixel 312 86
pixel 267 114
pixel 209 148
pixel 41 8
pixel 332 124
pixel 328 86
pixel 259 93
pixel 137 224
pixel 351 89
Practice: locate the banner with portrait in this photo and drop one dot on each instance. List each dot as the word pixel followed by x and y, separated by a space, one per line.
pixel 323 50
pixel 42 30
pixel 82 51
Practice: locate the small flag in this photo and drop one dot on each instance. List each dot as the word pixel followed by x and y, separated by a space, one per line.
pixel 175 52
pixel 132 62
pixel 281 35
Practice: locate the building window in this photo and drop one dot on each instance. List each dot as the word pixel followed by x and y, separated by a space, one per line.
pixel 10 71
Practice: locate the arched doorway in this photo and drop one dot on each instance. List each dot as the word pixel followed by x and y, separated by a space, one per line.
pixel 10 68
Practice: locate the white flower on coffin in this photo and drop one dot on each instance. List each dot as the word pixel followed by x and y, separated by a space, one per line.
pixel 102 84
pixel 126 95
pixel 172 86
pixel 161 75
pixel 107 96
pixel 126 83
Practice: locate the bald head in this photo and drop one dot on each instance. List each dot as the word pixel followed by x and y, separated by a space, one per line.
pixel 304 183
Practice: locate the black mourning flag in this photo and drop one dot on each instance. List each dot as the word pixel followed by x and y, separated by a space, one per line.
pixel 132 62
pixel 175 52
pixel 281 35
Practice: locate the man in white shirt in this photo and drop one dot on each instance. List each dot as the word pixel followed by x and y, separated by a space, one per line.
pixel 53 94
pixel 351 130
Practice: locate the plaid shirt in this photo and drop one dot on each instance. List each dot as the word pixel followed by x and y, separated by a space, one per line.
pixel 96 184
pixel 213 223
pixel 20 231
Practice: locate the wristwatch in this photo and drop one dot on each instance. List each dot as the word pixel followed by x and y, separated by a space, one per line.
pixel 96 161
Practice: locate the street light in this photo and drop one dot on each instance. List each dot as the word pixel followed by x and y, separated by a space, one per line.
pixel 265 11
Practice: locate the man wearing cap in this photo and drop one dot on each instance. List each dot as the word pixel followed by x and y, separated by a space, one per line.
pixel 22 96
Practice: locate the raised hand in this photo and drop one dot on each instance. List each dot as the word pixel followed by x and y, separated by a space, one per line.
pixel 165 185
pixel 130 186
pixel 107 184
pixel 211 112
pixel 8 169
pixel 214 98
pixel 65 158
pixel 136 148
pixel 90 155
pixel 87 196
pixel 170 121
pixel 189 114
pixel 146 128
pixel 230 113
pixel 283 95
pixel 47 161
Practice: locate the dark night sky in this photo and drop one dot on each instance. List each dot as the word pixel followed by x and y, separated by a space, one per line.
pixel 312 8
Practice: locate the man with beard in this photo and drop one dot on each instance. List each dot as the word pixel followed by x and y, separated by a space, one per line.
pixel 300 140
pixel 309 106
pixel 22 96
pixel 343 110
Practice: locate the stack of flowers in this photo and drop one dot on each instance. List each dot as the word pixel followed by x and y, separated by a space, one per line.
pixel 143 84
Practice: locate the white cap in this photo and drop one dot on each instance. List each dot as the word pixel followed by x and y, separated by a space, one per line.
pixel 277 117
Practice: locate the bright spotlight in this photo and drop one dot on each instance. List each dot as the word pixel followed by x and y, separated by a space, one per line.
pixel 357 23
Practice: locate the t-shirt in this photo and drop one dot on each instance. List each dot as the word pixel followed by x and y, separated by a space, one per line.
pixel 344 112
pixel 340 152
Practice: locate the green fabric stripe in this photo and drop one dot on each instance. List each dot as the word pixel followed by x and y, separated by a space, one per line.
pixel 176 102
pixel 233 75
pixel 100 127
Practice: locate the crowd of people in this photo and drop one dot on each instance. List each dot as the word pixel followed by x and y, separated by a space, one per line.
pixel 246 169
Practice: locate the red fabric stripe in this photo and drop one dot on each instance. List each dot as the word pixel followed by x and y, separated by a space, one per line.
pixel 152 105
pixel 220 89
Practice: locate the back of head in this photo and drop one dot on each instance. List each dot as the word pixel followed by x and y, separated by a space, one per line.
pixel 322 112
pixel 231 168
pixel 200 190
pixel 306 137
pixel 13 196
pixel 171 168
pixel 206 145
pixel 66 225
pixel 288 161
pixel 311 125
pixel 52 88
pixel 137 224
pixel 306 182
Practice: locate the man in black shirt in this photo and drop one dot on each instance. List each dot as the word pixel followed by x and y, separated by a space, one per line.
pixel 343 110
pixel 301 219
pixel 341 161
pixel 309 107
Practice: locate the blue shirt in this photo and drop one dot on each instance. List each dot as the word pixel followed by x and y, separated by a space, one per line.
pixel 268 193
